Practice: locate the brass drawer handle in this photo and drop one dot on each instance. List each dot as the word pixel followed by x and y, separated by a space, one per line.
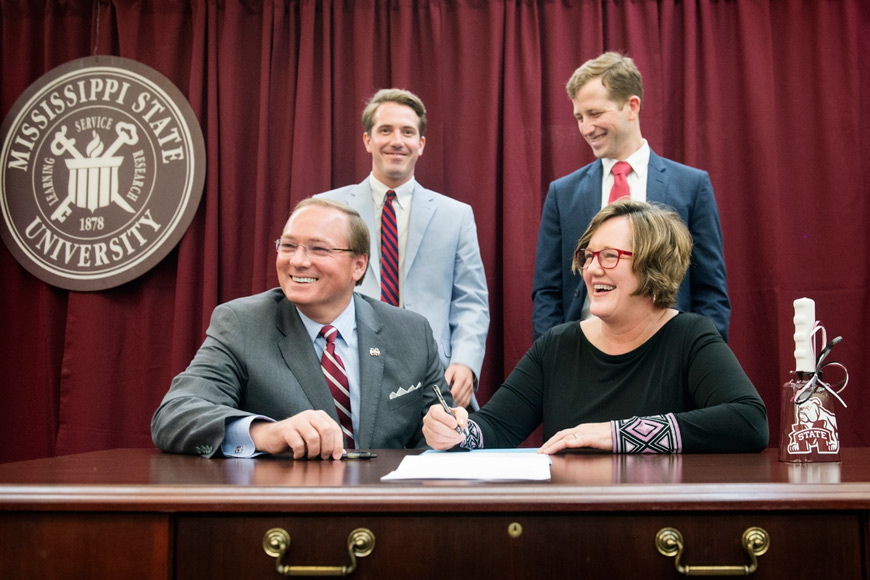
pixel 755 541
pixel 276 542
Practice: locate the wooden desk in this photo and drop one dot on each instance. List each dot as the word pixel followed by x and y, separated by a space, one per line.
pixel 138 513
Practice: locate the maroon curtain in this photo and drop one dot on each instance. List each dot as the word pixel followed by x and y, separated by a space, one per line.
pixel 768 96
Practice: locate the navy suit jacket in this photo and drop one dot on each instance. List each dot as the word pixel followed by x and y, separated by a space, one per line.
pixel 257 359
pixel 572 201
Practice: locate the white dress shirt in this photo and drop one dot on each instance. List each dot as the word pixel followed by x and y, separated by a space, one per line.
pixel 639 161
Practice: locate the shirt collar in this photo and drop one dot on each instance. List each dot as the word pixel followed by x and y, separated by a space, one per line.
pixel 639 161
pixel 344 322
pixel 403 192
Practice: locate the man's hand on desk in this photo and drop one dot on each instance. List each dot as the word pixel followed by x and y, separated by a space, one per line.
pixel 439 427
pixel 461 381
pixel 588 435
pixel 310 434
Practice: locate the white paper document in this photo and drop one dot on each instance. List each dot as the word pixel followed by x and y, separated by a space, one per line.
pixel 483 465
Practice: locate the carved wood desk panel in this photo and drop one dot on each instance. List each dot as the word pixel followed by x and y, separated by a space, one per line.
pixel 139 513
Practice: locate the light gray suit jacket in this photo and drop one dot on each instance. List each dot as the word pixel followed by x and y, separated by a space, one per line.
pixel 257 359
pixel 444 278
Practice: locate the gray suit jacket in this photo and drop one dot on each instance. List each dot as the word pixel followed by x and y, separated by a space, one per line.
pixel 444 278
pixel 257 359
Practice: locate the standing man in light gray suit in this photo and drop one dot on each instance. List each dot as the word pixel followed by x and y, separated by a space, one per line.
pixel 256 384
pixel 607 93
pixel 440 272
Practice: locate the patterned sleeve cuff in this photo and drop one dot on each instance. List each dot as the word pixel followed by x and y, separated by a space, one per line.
pixel 474 440
pixel 654 434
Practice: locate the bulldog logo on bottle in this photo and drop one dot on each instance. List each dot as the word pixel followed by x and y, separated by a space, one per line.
pixel 815 429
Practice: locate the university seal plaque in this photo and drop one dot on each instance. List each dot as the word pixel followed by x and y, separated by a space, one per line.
pixel 101 172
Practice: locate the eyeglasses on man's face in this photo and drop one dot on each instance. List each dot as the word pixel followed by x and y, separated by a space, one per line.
pixel 287 249
pixel 608 257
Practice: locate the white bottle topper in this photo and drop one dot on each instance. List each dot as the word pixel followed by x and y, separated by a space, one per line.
pixel 804 322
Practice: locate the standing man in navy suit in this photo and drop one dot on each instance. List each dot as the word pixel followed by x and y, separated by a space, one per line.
pixel 607 93
pixel 440 272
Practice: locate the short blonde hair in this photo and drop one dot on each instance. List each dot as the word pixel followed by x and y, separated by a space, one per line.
pixel 618 73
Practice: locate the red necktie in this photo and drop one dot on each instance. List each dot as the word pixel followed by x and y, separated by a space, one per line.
pixel 389 252
pixel 620 173
pixel 336 377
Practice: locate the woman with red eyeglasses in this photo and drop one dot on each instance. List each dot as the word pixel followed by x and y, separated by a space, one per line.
pixel 637 376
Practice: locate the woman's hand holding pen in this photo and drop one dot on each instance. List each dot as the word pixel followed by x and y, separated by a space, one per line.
pixel 439 427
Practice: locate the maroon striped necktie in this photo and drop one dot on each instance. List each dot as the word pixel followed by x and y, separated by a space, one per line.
pixel 389 252
pixel 620 173
pixel 336 377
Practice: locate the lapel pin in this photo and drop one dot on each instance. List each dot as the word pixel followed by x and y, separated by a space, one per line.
pixel 374 352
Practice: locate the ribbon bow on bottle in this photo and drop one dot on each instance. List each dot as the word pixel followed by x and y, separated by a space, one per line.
pixel 815 383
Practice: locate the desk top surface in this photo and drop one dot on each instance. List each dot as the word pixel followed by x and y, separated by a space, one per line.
pixel 146 479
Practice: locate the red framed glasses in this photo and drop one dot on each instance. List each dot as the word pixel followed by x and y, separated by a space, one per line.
pixel 608 257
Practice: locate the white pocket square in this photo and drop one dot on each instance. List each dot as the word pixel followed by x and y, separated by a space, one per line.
pixel 402 392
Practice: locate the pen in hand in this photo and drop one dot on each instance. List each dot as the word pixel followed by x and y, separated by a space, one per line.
pixel 447 408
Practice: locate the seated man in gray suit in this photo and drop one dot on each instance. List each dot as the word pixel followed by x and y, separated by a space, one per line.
pixel 310 368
